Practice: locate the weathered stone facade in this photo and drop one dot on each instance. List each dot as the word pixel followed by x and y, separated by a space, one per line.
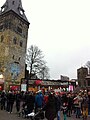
pixel 13 43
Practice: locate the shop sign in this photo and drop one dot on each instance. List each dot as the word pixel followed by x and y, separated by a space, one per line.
pixel 64 83
pixel 24 87
pixel 70 87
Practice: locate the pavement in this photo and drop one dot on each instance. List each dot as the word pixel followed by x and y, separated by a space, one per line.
pixel 4 115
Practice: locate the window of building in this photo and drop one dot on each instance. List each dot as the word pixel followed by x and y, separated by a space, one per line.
pixel 19 29
pixel 21 12
pixel 13 56
pixel 2 38
pixel 13 2
pixel 21 43
pixel 19 58
pixel 15 40
pixel 1 27
pixel 88 82
pixel 3 9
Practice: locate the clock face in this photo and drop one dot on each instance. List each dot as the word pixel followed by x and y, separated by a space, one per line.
pixel 15 70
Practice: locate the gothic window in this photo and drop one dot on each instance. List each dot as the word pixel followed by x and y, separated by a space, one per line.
pixel 21 43
pixel 13 2
pixel 2 38
pixel 13 56
pixel 6 24
pixel 88 82
pixel 3 8
pixel 19 58
pixel 15 40
pixel 21 11
pixel 19 29
pixel 1 27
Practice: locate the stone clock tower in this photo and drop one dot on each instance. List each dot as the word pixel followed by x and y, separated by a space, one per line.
pixel 13 41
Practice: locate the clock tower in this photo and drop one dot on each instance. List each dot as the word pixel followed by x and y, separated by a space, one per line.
pixel 13 41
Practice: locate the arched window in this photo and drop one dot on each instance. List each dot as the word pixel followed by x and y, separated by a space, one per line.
pixel 13 56
pixel 21 43
pixel 19 58
pixel 13 2
pixel 15 40
pixel 2 38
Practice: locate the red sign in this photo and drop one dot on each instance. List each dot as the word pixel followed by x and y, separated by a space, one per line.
pixel 14 87
pixel 0 88
pixel 38 82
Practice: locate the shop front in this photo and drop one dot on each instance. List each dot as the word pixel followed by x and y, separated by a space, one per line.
pixel 14 87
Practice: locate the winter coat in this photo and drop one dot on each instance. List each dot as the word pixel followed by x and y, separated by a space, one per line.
pixel 30 100
pixel 11 97
pixel 51 109
pixel 39 99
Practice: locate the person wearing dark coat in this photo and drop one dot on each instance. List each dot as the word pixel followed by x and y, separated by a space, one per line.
pixel 58 105
pixel 3 100
pixel 69 106
pixel 51 108
pixel 30 101
pixel 11 99
pixel 18 100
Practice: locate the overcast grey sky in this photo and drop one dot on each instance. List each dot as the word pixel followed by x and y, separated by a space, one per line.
pixel 61 29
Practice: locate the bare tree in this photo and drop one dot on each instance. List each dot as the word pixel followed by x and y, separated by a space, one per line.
pixel 44 73
pixel 35 62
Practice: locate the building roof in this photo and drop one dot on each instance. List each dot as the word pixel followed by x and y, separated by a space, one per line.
pixel 15 6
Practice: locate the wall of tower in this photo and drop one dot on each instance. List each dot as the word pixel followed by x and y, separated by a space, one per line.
pixel 13 43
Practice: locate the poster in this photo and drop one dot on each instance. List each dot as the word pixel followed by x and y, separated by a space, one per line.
pixel 24 87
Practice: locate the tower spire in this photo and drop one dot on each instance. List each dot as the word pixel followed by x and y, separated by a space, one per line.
pixel 15 6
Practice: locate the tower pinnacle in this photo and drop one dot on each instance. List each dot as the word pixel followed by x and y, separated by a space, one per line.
pixel 15 6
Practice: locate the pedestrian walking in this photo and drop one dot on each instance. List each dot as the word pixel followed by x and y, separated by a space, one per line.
pixel 3 100
pixel 85 106
pixel 58 105
pixel 39 100
pixel 11 99
pixel 50 108
pixel 18 100
pixel 64 108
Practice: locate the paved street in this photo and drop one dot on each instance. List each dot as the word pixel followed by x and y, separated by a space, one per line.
pixel 7 116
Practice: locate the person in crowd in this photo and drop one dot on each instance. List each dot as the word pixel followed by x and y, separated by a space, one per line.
pixel 30 101
pixel 64 98
pixel 51 107
pixel 45 98
pixel 69 105
pixel 18 100
pixel 85 106
pixel 39 100
pixel 11 99
pixel 64 108
pixel 58 105
pixel 77 102
pixel 89 103
pixel 3 100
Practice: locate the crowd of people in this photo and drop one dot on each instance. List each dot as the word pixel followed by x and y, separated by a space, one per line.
pixel 48 105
